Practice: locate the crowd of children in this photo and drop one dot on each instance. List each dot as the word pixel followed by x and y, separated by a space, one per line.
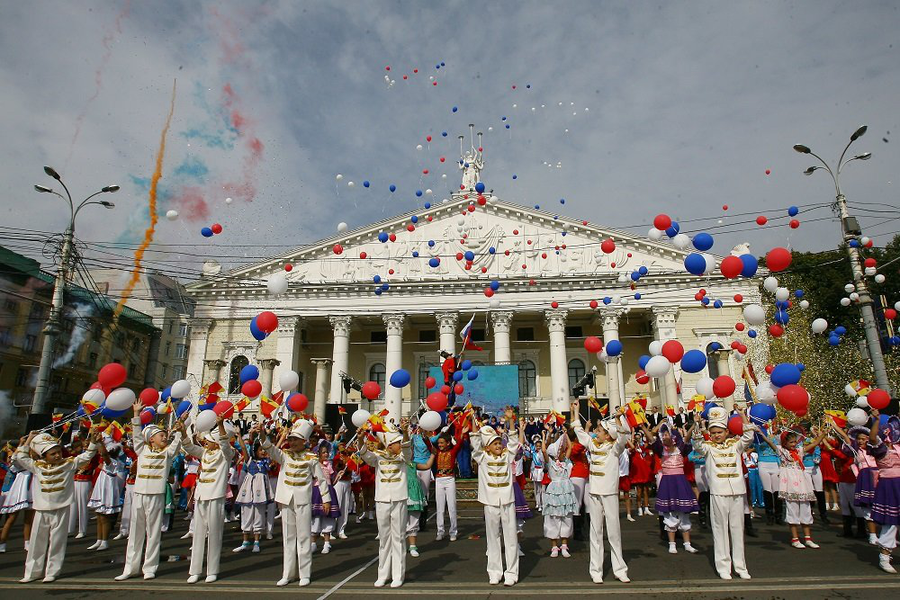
pixel 579 471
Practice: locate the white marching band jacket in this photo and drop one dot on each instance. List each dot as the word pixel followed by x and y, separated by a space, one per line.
pixel 53 485
pixel 495 473
pixel 296 475
pixel 604 459
pixel 214 464
pixel 724 461
pixel 153 466
pixel 390 473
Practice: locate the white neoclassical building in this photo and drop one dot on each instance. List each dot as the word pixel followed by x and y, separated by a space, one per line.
pixel 550 268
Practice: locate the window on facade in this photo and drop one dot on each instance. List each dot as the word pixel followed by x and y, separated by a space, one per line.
pixel 180 351
pixel 11 306
pixel 234 377
pixel 525 334
pixel 165 370
pixel 135 344
pixel 168 348
pixel 423 375
pixel 428 335
pixel 183 330
pixel 5 336
pixel 478 335
pixel 92 360
pixel 37 311
pixel 527 379
pixel 178 372
pixel 171 327
pixel 573 331
pixel 376 374
pixel 30 343
pixel 378 337
pixel 712 361
pixel 576 371
pixel 21 377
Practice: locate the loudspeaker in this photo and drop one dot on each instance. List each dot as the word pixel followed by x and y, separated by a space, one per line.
pixel 38 421
pixel 335 419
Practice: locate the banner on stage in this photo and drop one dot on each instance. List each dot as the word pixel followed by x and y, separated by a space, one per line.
pixel 495 387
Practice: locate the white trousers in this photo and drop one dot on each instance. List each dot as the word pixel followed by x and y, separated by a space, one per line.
pixel 769 474
pixel 497 518
pixel 445 496
pixel 579 484
pixel 392 520
pixel 344 500
pixel 845 496
pixel 798 513
pixel 146 523
pixel 295 531
pixel 557 527
pixel 425 478
pixel 815 474
pixel 209 518
pixel 49 530
pixel 677 521
pixel 605 510
pixel 126 509
pixel 253 518
pixel 888 537
pixel 538 494
pixel 78 510
pixel 700 478
pixel 322 525
pixel 412 522
pixel 727 521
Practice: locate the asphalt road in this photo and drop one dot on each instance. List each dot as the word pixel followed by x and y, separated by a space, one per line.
pixel 842 568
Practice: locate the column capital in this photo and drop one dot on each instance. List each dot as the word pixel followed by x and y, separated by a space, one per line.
pixel 556 319
pixel 290 324
pixel 447 321
pixel 200 326
pixel 321 361
pixel 609 317
pixel 502 319
pixel 214 363
pixel 269 364
pixel 665 314
pixel 394 323
pixel 341 324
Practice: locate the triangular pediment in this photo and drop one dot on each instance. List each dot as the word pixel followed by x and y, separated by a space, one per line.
pixel 548 245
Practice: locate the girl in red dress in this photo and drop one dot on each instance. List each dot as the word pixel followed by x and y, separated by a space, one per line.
pixel 641 460
pixel 829 474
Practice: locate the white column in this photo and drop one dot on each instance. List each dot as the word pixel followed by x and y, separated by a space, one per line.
pixel 286 346
pixel 724 363
pixel 559 370
pixel 502 320
pixel 321 387
pixel 664 318
pixel 340 357
pixel 447 324
pixel 213 370
pixel 393 397
pixel 610 321
pixel 197 351
pixel 265 377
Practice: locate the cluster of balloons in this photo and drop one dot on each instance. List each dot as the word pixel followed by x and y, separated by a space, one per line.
pixel 263 325
pixel 210 231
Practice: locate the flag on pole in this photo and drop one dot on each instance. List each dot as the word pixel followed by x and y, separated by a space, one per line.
pixel 115 431
pixel 670 411
pixel 243 403
pixel 634 414
pixel 342 410
pixel 838 416
pixel 466 336
pixel 269 405
pixel 555 417
pixel 696 403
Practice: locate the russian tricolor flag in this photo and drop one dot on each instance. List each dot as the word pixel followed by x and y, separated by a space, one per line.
pixel 466 335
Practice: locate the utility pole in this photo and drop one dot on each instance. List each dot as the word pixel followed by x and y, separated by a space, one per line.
pixel 52 327
pixel 850 230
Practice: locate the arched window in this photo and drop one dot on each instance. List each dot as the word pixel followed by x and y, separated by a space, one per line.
pixel 527 379
pixel 423 375
pixel 712 359
pixel 576 371
pixel 234 374
pixel 377 374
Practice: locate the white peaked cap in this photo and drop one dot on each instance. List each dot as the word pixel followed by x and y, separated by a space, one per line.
pixel 302 429
pixel 149 431
pixel 43 442
pixel 717 417
pixel 390 437
pixel 488 435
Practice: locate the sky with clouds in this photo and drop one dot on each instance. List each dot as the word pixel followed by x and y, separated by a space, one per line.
pixel 623 109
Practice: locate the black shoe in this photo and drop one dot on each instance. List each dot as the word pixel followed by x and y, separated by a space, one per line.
pixel 862 532
pixel 748 526
pixel 848 526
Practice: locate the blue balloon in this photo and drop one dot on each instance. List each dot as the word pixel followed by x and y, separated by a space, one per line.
pixel 419 193
pixel 377 279
pixel 613 348
pixel 366 183
pixel 716 304
pixel 470 256
pixel 705 301
pixel 495 285
pixel 673 229
pixel 431 243
pixel 854 243
pixel 762 413
pixel 785 374
pixel 492 250
pixel 378 291
pixel 798 293
pixel 444 133
pixel 536 206
pixel 834 340
pixel 695 264
pixel 258 334
pixel 414 219
pixel 643 359
pixel 457 376
pixel 479 187
pixel 637 295
pixel 383 237
pixel 751 265
pixel 166 393
pixel 473 374
pixel 110 413
pixel 801 366
pixel 607 300
pixel 751 333
pixel 183 406
pixel 782 317
pixel 715 346
pixel 793 211
pixel 249 373
pixel 80 411
pixel 703 242
pixel 515 176
pixel 415 254
pixel 428 205
pixel 693 361
pixel 643 270
pixel 466 365
pixel 635 276
pixel 434 262
pixel 455 108
pixel 507 125
pixel 840 330
pixel 385 287
pixel 393 188
pixel 206 232
pixel 400 378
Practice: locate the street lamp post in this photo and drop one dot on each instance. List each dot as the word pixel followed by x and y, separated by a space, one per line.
pixel 849 230
pixel 52 327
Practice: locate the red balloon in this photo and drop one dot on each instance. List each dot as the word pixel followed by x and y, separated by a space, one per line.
pixel 298 403
pixel 608 246
pixel 224 409
pixel 488 292
pixel 739 326
pixel 216 228
pixel 363 255
pixel 738 298
pixel 736 425
pixel 437 401
pixel 593 344
pixel 289 267
pixel 761 220
pixel 778 259
pixel 801 412
pixel 430 382
pixel 458 389
pixel 337 249
pixel 662 222
pixel 371 390
pixel 770 368
pixel 878 399
pixel 393 237
pixel 723 386
pixel 149 397
pixel 731 267
pixel 776 330
pixel 641 377
pixel 870 262
pixel 593 304
pixel 794 223
pixel 890 314
pixel 445 390
pixel 673 350
pixel 793 397
pixel 147 416
pixel 554 304
pixel 112 375
pixel 252 388
pixel 267 321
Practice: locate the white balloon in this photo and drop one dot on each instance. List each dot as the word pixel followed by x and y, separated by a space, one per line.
pixel 819 325
pixel 658 366
pixel 681 241
pixel 655 234
pixel 704 386
pixel 205 420
pixel 710 263
pixel 857 417
pixel 804 304
pixel 849 288
pixel 120 399
pixel 277 284
pixel 854 297
pixel 180 389
pixel 338 176
pixel 656 348
pixel 350 184
pixel 864 240
pixel 871 271
pixel 171 215
pixel 770 284
pixel 861 402
pixel 289 380
pixel 848 389
pixel 782 294
pixel 494 302
pixel 755 314
pixel 879 278
pixel 845 301
pixel 623 301
pixel 430 421
pixel 228 200
pixel 602 356
pixel 765 393
pixel 359 417
pixel 897 306
pixel 418 146
pixel 342 226
pixel 428 191
pixel 94 396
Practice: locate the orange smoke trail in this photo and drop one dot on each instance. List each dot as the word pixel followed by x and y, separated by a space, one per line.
pixel 148 233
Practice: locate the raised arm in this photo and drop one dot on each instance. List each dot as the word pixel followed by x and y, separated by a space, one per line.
pixel 272 450
pixel 137 440
pixel 813 443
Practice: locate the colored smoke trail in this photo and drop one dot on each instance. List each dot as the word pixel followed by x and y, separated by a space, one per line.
pixel 148 234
